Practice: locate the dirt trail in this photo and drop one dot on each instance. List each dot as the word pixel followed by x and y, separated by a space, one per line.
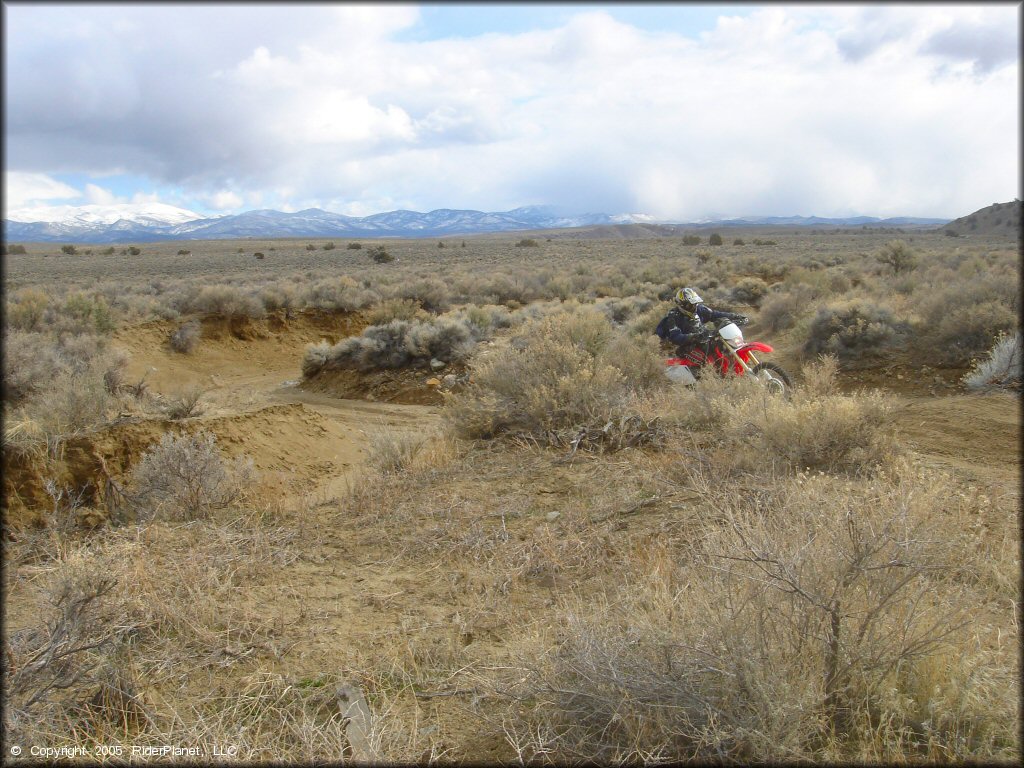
pixel 312 441
pixel 976 435
pixel 308 442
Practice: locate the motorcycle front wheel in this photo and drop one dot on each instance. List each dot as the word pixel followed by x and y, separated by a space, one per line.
pixel 774 377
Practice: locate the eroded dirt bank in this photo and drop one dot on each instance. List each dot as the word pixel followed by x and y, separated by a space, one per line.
pixel 304 441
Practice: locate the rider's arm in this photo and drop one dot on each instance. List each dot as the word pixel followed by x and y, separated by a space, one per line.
pixel 663 327
pixel 707 314
pixel 681 339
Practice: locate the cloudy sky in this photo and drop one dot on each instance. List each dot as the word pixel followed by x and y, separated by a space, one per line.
pixel 679 111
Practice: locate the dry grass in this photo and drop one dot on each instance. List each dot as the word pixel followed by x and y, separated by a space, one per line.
pixel 570 372
pixel 795 279
pixel 632 572
pixel 787 626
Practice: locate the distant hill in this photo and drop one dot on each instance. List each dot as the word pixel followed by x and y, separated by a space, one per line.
pixel 128 223
pixel 124 224
pixel 871 222
pixel 997 219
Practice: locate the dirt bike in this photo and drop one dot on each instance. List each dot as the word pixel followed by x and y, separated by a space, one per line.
pixel 725 352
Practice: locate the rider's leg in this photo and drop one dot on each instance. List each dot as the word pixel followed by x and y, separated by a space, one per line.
pixel 686 351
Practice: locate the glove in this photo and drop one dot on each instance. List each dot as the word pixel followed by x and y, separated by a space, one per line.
pixel 740 319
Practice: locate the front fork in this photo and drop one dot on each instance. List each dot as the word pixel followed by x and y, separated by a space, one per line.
pixel 748 368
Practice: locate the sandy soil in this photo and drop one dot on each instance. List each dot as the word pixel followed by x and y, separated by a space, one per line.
pixel 254 402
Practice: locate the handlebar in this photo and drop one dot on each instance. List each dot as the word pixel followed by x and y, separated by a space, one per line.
pixel 740 320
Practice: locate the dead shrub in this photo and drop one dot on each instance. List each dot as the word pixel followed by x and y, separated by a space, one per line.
pixel 967 331
pixel 225 301
pixel 831 433
pixel 342 293
pixel 820 377
pixel 433 294
pixel 185 404
pixel 706 406
pixel 396 309
pixel 395 344
pixel 783 628
pixel 115 369
pixel 47 669
pixel 781 310
pixel 569 372
pixel 316 358
pixel 30 363
pixel 186 338
pixel 175 607
pixel 749 290
pixel 185 478
pixel 27 310
pixel 278 297
pixel 72 403
pixel 390 453
pixel 483 321
pixel 855 331
pixel 63 386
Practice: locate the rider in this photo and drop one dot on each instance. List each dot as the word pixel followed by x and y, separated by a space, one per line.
pixel 684 323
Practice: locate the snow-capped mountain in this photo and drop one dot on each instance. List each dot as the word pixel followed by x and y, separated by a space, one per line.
pixel 147 222
pixel 120 224
pixel 149 214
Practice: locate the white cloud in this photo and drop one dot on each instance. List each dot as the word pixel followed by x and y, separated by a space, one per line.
pixel 25 189
pixel 802 109
pixel 225 200
pixel 96 195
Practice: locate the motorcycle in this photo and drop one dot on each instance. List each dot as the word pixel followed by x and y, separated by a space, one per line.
pixel 727 353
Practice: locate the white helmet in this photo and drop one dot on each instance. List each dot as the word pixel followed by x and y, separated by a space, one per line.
pixel 687 300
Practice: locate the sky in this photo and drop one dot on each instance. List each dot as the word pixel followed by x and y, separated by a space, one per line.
pixel 680 111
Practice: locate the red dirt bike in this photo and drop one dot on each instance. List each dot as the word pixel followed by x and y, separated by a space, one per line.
pixel 727 353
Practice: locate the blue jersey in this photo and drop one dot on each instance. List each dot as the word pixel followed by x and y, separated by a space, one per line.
pixel 682 329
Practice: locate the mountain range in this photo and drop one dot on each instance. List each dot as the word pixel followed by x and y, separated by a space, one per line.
pixel 147 222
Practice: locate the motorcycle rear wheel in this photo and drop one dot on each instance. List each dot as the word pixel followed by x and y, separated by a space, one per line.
pixel 774 377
